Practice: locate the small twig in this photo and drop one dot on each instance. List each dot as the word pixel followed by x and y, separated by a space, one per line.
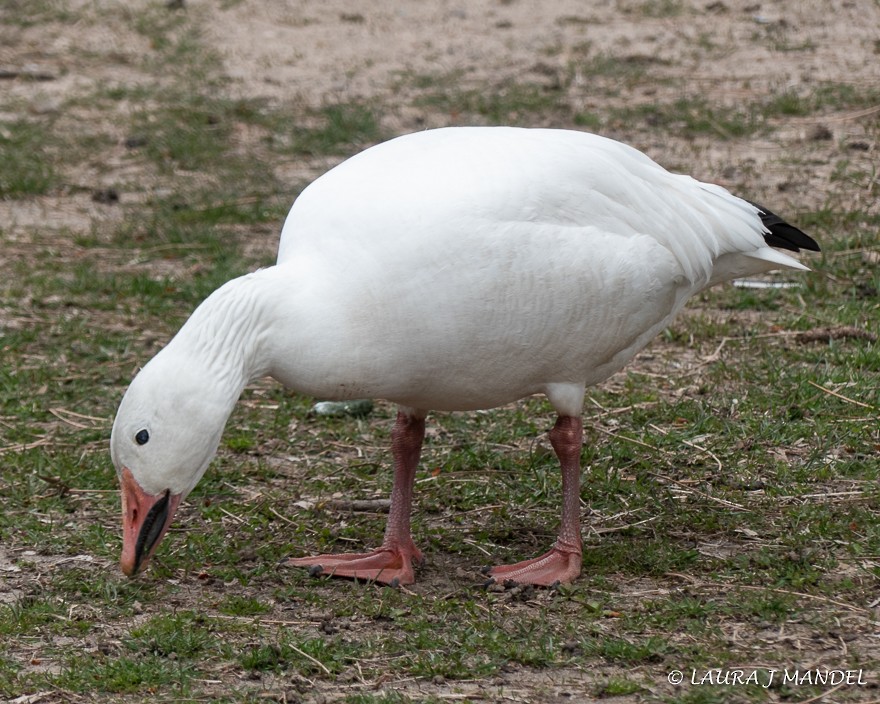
pixel 265 621
pixel 617 529
pixel 830 494
pixel 625 409
pixel 365 505
pixel 480 508
pixel 30 698
pixel 716 355
pixel 628 439
pixel 309 657
pixel 62 486
pixel 854 115
pixel 478 547
pixel 693 445
pixel 803 595
pixel 59 413
pixel 238 519
pixel 842 397
pixel 700 584
pixel 723 502
pixel 283 518
pixel 25 446
pixel 841 332
pixel 83 416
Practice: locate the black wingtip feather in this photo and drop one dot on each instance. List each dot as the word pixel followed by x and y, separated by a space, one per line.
pixel 782 234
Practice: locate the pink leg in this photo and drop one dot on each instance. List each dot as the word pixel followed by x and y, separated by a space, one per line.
pixel 563 562
pixel 392 563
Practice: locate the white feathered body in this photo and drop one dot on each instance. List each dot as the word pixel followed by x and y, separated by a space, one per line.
pixel 465 268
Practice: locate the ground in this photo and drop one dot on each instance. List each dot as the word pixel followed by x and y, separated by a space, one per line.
pixel 149 152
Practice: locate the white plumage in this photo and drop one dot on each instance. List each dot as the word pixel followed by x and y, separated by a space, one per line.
pixel 452 269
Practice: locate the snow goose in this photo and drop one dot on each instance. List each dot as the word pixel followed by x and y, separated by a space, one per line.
pixel 452 269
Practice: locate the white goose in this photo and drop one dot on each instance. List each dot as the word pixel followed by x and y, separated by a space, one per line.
pixel 452 269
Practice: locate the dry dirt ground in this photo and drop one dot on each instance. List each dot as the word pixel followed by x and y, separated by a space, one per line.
pixel 730 53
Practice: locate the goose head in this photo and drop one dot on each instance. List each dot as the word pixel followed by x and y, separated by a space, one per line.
pixel 166 432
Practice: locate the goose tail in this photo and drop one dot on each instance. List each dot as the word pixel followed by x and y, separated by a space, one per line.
pixel 783 235
pixel 778 235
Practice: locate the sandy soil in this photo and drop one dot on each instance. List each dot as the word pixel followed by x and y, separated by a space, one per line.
pixel 730 52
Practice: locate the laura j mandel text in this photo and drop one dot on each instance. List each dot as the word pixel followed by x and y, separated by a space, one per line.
pixel 768 677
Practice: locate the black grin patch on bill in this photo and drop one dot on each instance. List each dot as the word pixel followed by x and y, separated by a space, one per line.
pixel 151 529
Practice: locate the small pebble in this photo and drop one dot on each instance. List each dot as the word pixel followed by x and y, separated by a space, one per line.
pixel 820 133
pixel 107 196
pixel 135 141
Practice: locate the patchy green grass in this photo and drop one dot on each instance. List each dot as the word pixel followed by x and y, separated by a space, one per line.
pixel 27 13
pixel 730 475
pixel 27 168
pixel 339 129
pixel 511 103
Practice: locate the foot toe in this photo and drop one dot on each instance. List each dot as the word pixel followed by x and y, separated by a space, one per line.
pixel 382 566
pixel 549 570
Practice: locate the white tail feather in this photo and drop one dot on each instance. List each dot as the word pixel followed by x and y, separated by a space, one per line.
pixel 758 261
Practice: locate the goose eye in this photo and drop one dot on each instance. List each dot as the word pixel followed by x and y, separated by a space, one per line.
pixel 142 437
